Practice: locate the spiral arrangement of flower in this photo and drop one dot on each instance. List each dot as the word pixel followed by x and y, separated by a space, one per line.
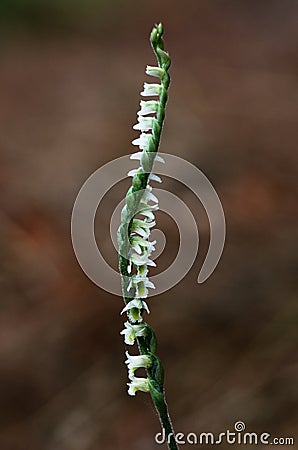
pixel 135 247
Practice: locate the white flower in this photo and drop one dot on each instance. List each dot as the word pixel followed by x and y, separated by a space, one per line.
pixel 133 172
pixel 138 384
pixel 148 107
pixel 136 362
pixel 140 283
pixel 155 71
pixel 130 332
pixel 134 309
pixel 151 89
pixel 138 244
pixel 144 232
pixel 138 156
pixel 142 227
pixel 144 123
pixel 141 260
pixel 135 245
pixel 142 291
pixel 143 223
pixel 143 141
pixel 147 210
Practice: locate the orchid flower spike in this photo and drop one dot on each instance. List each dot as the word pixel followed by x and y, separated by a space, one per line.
pixel 135 246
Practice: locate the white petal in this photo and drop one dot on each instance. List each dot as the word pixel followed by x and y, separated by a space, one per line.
pixel 151 89
pixel 142 260
pixel 143 141
pixel 147 213
pixel 129 267
pixel 144 123
pixel 136 303
pixel 151 263
pixel 148 107
pixel 139 240
pixel 154 177
pixel 159 159
pixel 132 172
pixel 138 384
pixel 136 155
pixel 129 334
pixel 149 284
pixel 145 307
pixel 155 71
pixel 141 232
pixel 137 248
pixel 143 224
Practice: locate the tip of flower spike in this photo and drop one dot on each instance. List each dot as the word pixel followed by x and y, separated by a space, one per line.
pixel 156 33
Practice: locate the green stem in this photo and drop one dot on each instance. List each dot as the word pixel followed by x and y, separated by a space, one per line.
pixel 165 420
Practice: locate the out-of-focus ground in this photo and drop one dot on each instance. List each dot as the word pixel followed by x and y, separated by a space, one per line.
pixel 70 78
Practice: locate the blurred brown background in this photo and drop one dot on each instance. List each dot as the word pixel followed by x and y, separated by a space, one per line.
pixel 70 77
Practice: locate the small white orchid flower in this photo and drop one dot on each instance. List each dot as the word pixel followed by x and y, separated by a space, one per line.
pixel 138 384
pixel 144 123
pixel 140 245
pixel 141 286
pixel 142 227
pixel 140 283
pixel 143 141
pixel 134 310
pixel 140 242
pixel 151 89
pixel 136 362
pixel 141 231
pixel 130 332
pixel 140 260
pixel 138 156
pixel 147 211
pixel 148 107
pixel 155 71
pixel 143 223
